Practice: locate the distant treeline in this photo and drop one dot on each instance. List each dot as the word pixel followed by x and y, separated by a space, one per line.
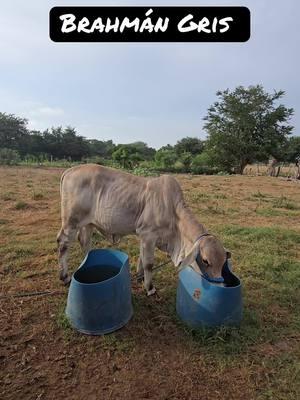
pixel 18 143
pixel 243 126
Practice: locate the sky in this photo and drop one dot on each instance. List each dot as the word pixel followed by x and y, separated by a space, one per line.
pixel 152 92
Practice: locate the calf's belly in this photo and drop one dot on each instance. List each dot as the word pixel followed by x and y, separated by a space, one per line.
pixel 116 221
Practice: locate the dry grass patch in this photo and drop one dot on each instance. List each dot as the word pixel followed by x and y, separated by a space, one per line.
pixel 21 205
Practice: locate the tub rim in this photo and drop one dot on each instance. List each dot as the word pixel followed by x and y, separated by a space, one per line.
pixel 126 258
pixel 211 284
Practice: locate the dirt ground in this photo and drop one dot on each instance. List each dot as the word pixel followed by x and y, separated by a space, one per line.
pixel 154 356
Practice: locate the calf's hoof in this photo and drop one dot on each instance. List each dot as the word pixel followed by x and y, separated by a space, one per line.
pixel 151 292
pixel 65 279
pixel 140 278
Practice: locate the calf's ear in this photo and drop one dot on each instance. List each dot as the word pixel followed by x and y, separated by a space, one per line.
pixel 228 254
pixel 192 256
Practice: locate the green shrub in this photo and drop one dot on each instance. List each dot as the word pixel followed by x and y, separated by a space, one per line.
pixel 8 196
pixel 21 205
pixel 144 172
pixel 284 202
pixel 204 170
pixel 95 160
pixel 165 158
pixel 37 196
pixel 202 159
pixel 186 159
pixel 202 165
pixel 9 157
pixel 147 164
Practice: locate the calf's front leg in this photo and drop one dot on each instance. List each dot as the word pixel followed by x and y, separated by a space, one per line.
pixel 147 258
pixel 85 237
pixel 140 271
pixel 65 238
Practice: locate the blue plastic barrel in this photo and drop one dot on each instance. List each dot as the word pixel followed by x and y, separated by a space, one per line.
pixel 202 303
pixel 99 299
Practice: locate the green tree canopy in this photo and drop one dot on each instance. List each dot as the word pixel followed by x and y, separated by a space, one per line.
pixel 146 153
pixel 129 155
pixel 64 143
pixel 14 133
pixel 190 145
pixel 165 158
pixel 186 159
pixel 292 150
pixel 167 147
pixel 121 155
pixel 9 156
pixel 101 148
pixel 246 125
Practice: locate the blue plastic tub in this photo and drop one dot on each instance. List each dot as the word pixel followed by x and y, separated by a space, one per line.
pixel 99 299
pixel 202 303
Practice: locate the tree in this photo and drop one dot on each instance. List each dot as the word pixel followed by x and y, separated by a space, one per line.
pixel 101 148
pixel 186 159
pixel 167 147
pixel 135 159
pixel 131 154
pixel 9 156
pixel 36 145
pixel 74 146
pixel 141 148
pixel 246 125
pixel 292 150
pixel 189 145
pixel 64 143
pixel 165 158
pixel 14 133
pixel 122 156
pixel 202 160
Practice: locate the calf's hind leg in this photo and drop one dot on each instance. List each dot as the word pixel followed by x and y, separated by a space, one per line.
pixel 64 238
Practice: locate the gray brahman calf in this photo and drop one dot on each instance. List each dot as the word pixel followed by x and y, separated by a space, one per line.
pixel 117 203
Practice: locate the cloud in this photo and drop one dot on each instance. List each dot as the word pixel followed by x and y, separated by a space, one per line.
pixel 46 112
pixel 41 117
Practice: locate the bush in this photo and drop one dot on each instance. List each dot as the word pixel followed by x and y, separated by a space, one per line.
pixel 203 165
pixel 37 196
pixel 165 158
pixel 9 157
pixel 148 164
pixel 35 159
pixel 95 160
pixel 204 170
pixel 21 205
pixel 144 172
pixel 203 160
pixel 186 159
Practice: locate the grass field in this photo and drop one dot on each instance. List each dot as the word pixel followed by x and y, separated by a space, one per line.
pixel 154 356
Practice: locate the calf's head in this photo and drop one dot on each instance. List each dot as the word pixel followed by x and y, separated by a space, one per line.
pixel 209 255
